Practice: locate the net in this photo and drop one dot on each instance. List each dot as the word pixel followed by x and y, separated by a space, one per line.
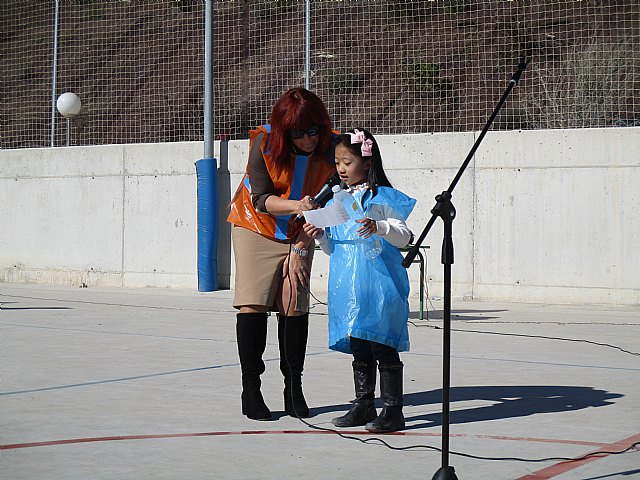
pixel 391 66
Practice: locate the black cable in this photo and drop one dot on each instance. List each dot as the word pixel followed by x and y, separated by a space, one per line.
pixel 579 340
pixel 286 319
pixel 380 441
pixel 318 302
pixel 467 455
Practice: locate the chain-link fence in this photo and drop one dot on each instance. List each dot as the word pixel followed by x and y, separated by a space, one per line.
pixel 393 66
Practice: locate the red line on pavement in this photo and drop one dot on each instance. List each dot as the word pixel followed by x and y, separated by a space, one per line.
pixel 562 467
pixel 289 432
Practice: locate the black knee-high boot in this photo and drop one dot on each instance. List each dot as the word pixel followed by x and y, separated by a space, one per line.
pixel 292 339
pixel 251 333
pixel 391 418
pixel 363 409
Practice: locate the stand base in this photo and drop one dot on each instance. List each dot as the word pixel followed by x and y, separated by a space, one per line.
pixel 445 473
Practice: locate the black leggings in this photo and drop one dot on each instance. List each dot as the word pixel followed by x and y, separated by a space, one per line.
pixel 367 351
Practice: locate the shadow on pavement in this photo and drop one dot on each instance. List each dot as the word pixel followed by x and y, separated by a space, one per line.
pixel 507 402
pixel 500 402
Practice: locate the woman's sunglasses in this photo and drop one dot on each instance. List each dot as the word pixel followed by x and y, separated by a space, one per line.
pixel 311 131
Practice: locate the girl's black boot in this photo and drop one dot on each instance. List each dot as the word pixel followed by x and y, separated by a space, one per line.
pixel 391 418
pixel 363 409
pixel 251 333
pixel 292 339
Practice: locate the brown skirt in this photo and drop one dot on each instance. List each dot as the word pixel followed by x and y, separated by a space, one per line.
pixel 259 261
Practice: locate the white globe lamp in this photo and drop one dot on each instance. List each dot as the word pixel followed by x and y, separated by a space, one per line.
pixel 69 106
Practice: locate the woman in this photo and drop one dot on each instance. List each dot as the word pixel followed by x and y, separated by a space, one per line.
pixel 289 160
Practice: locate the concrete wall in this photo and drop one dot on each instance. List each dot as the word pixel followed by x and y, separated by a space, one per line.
pixel 542 216
pixel 121 215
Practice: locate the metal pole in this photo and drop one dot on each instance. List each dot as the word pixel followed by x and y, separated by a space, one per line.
pixel 445 210
pixel 208 81
pixel 307 45
pixel 54 74
pixel 68 132
pixel 206 173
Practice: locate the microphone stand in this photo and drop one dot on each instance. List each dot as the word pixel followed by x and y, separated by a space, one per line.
pixel 445 210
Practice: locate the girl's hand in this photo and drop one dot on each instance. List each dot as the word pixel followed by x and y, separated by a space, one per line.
pixel 368 228
pixel 312 231
pixel 296 267
pixel 304 204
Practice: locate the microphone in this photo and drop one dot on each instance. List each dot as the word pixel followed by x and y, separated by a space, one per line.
pixel 324 195
pixel 326 192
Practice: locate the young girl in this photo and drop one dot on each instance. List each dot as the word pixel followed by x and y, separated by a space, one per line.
pixel 368 286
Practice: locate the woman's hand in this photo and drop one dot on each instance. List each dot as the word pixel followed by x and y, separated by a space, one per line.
pixel 305 204
pixel 297 269
pixel 280 206
pixel 368 228
pixel 312 231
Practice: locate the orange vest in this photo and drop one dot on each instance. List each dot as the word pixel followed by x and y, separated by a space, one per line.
pixel 306 178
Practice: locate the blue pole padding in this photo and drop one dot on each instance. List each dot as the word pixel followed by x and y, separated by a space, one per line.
pixel 207 174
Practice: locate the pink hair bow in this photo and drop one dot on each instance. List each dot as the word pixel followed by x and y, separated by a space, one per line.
pixel 367 143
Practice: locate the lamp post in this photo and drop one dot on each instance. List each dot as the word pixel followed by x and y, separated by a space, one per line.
pixel 69 106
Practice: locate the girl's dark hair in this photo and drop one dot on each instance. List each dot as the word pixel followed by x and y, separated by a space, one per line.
pixel 376 177
pixel 297 108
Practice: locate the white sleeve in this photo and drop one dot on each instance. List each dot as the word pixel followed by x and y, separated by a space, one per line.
pixel 325 243
pixel 394 231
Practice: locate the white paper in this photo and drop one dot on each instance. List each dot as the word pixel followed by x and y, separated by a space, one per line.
pixel 334 214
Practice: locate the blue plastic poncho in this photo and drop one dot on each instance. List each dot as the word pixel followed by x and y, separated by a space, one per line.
pixel 368 286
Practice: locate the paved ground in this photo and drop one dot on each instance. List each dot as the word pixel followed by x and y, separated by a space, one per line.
pixel 144 384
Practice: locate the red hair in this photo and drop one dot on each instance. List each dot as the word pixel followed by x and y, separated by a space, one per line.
pixel 297 108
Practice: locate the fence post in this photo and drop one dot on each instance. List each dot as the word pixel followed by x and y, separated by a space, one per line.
pixel 54 74
pixel 307 45
pixel 206 172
